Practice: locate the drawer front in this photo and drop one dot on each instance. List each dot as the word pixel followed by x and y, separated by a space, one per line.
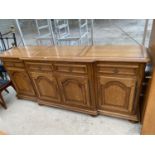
pixel 120 69
pixel 42 67
pixel 70 68
pixel 12 64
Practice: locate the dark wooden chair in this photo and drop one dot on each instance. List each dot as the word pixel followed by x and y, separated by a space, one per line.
pixel 7 41
pixel 4 84
pixel 145 84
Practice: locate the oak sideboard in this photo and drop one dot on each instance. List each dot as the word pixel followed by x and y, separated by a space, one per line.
pixel 89 79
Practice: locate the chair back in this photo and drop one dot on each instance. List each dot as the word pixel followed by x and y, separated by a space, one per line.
pixel 8 40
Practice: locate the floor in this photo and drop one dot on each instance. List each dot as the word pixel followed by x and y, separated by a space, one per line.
pixel 26 117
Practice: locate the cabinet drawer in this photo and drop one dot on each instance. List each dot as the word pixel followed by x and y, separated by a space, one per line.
pixel 13 64
pixel 70 68
pixel 122 69
pixel 38 66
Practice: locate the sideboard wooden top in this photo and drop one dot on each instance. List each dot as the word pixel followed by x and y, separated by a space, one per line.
pixel 125 53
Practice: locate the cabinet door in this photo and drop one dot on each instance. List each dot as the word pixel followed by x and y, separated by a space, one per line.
pixel 22 82
pixel 46 86
pixel 75 90
pixel 116 93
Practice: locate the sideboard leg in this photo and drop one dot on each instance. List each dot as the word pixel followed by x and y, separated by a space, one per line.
pixel 93 115
pixel 133 121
